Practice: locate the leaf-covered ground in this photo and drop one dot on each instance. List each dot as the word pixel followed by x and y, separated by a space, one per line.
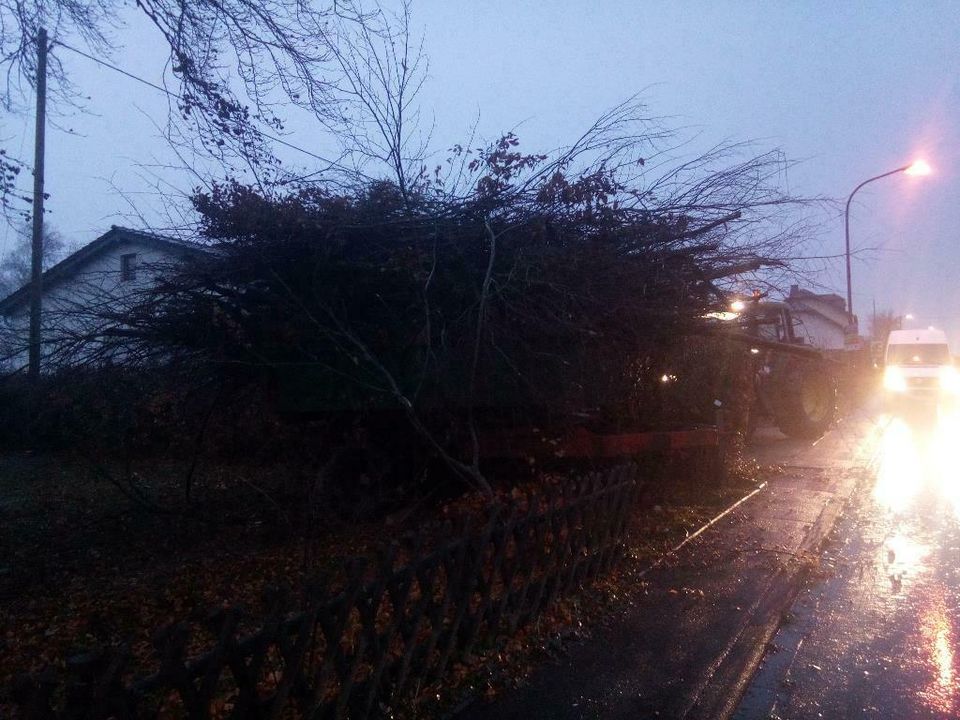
pixel 83 567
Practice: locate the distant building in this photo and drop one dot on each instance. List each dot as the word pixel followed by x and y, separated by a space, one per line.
pixel 823 317
pixel 102 275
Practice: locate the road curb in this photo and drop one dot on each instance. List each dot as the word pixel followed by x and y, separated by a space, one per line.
pixel 720 694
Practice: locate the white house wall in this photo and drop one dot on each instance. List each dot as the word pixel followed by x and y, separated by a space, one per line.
pixel 71 303
pixel 818 331
pixel 828 310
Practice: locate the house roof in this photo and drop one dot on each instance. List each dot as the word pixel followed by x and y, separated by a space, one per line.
pixel 799 293
pixel 114 236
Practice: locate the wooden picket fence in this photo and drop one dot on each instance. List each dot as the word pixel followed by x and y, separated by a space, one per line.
pixel 385 629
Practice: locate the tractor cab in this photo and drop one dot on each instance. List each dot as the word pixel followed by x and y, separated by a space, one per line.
pixel 769 321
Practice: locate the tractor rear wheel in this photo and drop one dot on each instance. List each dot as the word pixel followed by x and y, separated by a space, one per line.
pixel 806 402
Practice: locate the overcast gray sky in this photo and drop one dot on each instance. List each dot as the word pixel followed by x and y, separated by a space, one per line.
pixel 851 89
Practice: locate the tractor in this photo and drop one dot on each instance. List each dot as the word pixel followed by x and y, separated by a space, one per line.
pixel 794 384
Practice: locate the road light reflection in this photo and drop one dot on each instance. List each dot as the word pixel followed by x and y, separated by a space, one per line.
pixel 937 631
pixel 919 456
pixel 899 463
pixel 944 453
pixel 918 470
pixel 904 553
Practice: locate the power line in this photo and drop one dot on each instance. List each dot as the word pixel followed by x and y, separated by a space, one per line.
pixel 174 95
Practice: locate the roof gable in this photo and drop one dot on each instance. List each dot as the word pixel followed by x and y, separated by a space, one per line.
pixel 73 262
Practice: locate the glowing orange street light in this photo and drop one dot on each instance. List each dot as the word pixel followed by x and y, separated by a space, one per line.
pixel 916 168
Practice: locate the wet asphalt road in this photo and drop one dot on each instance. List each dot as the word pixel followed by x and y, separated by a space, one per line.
pixel 876 631
pixel 685 639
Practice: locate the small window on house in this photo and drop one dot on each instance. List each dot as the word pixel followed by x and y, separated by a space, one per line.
pixel 128 267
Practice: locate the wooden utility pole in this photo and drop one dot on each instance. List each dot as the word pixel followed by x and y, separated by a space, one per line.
pixel 36 264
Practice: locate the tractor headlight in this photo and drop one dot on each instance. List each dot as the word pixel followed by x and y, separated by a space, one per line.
pixel 893 379
pixel 950 380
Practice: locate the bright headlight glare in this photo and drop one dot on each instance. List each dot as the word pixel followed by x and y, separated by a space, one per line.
pixel 950 380
pixel 893 379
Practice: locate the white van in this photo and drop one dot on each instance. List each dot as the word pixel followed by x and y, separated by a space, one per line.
pixel 918 366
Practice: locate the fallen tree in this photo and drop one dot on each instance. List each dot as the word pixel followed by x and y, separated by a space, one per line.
pixel 502 288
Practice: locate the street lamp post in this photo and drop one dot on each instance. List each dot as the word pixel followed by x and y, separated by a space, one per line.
pixel 918 167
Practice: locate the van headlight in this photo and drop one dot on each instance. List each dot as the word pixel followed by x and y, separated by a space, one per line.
pixel 950 380
pixel 893 379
